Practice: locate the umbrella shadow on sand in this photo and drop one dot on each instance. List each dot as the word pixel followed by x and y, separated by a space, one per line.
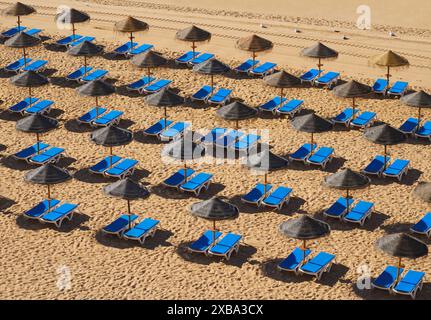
pixel 77 222
pixel 170 193
pixel 333 166
pixel 54 47
pixel 376 294
pixel 294 205
pixel 397 227
pixel 375 222
pixel 5 203
pixel 140 137
pixel 74 126
pixel 12 163
pixel 2 147
pixel 86 176
pixel 9 116
pixel 64 83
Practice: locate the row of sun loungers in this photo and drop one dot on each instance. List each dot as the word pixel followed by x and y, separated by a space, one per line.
pixel 280 106
pixel 189 181
pixel 253 68
pixel 148 85
pixel 265 195
pixel 15 30
pixel 31 106
pixel 321 157
pixel 213 95
pixel 87 74
pixel 115 167
pixel 51 211
pixel 213 243
pixel 101 117
pixel 138 231
pixel 167 130
pixel 73 40
pixel 397 169
pixel 129 49
pixel 193 58
pixel 22 65
pixel 358 213
pixel 40 153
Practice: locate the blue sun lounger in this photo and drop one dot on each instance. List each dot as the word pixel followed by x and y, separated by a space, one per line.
pixel 310 76
pixel 272 104
pixel 246 142
pixel 105 164
pixel 67 40
pixel 22 105
pixel 143 230
pixel 198 182
pixel 78 74
pixel 201 58
pixel 399 88
pixel 319 264
pixel 124 48
pixel 228 139
pixel 278 197
pixel 302 153
pixel 246 66
pixel 380 86
pixel 423 226
pixel 345 116
pixel 41 208
pixel 226 246
pixel 409 126
pixel 17 65
pixel 263 70
pixel 329 79
pixel 140 49
pixel 424 131
pixel 50 155
pixel 321 157
pixel 28 152
pixel 59 214
pixel 33 32
pixel 140 84
pixel 156 128
pixel 202 94
pixel 377 165
pixel 205 241
pixel 94 75
pixel 122 169
pixel 291 108
pixel 173 132
pixel 156 86
pixel 120 225
pixel 107 119
pixel 364 120
pixel 294 260
pixel 397 169
pixel 186 57
pixel 338 208
pixel 175 180
pixel 91 115
pixel 410 283
pixel 256 195
pixel 221 97
pixel 360 212
pixel 386 280
pixel 35 65
pixel 213 135
pixel 74 43
pixel 42 107
pixel 12 31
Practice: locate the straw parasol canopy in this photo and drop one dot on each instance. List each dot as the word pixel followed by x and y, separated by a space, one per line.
pixel 211 67
pixel 389 59
pixel 71 16
pixel 236 111
pixel 402 245
pixel 193 34
pixel 311 123
pixel 352 89
pixel 149 60
pixel 384 134
pixel 319 51
pixel 282 80
pixel 111 136
pixel 164 98
pixel 254 44
pixel 96 88
pixel 423 191
pixel 131 25
pixel 29 79
pixel 419 99
pixel 85 49
pixel 22 41
pixel 18 9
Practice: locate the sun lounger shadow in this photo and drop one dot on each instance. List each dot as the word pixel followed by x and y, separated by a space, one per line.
pixel 4 74
pixel 140 137
pixel 12 163
pixel 115 57
pixel 374 294
pixel 126 123
pixel 85 175
pixel 160 239
pixel 66 161
pixel 63 83
pixel 2 147
pixel 67 226
pixel 5 203
pixel 408 179
pixel 73 126
pixel 397 227
pixel 9 116
pixel 54 47
pixel 122 91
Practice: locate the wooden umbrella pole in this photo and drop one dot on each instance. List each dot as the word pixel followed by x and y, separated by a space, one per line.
pixel 254 58
pixel 19 22
pixel 49 197
pixel 304 247
pixel 212 84
pixel 73 30
pixel 347 201
pixel 264 184
pixel 24 56
pixel 353 107
pixel 388 75
pixel 149 72
pixel 37 143
pixel 185 171
pixel 386 151
pixel 129 215
pixel 311 145
pixel 131 40
pixel 419 118
pixel 281 96
pixel 214 231
pixel 85 64
pixel 193 48
pixel 398 270
pixel 110 156
pixel 319 65
pixel 29 93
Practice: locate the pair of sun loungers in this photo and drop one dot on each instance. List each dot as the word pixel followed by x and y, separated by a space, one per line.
pixel 51 211
pixel 320 157
pixel 167 130
pixel 299 261
pixel 279 106
pixel 73 40
pixel 15 30
pixel 358 213
pixel 226 138
pixel 87 74
pixel 148 85
pixel 31 106
pixel 314 77
pixel 273 197
pixel 213 95
pixel 397 169
pixel 253 68
pixel 399 88
pixel 138 231
pixel 193 58
pixel 115 167
pixel 189 181
pixel 213 244
pixel 130 49
pixel 410 281
pixel 412 127
pixel 40 153
pixel 354 118
pixel 101 117
pixel 27 64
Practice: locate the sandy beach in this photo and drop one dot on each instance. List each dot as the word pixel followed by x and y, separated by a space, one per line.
pixel 34 257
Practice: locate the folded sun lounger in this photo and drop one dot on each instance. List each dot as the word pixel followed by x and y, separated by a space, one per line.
pixel 156 86
pixel 198 182
pixel 91 115
pixel 302 153
pixel 338 208
pixel 186 57
pixel 178 178
pixel 246 142
pixel 201 58
pixel 257 194
pixel 409 126
pixel 263 70
pixel 360 212
pixel 329 79
pixel 423 226
pixel 318 264
pixel 226 246
pixel 122 169
pixel 387 278
pixel 35 65
pixel 397 169
pixel 202 94
pixel 22 105
pixel 310 75
pixel 278 197
pixel 272 104
pixel 124 48
pixel 105 164
pixel 94 75
pixel 345 116
pixel 377 165
pixel 291 108
pixel 424 131
pixel 50 155
pixel 246 66
pixel 41 208
pixel 140 84
pixel 140 49
pixel 205 241
pixel 380 86
pixel 17 65
pixel 143 230
pixel 399 88
pixel 12 31
pixel 67 40
pixel 410 283
pixel 109 118
pixel 173 132
pixel 120 225
pixel 78 74
pixel 42 107
pixel 28 152
pixel 59 214
pixel 221 97
pixel 294 260
pixel 364 120
pixel 321 157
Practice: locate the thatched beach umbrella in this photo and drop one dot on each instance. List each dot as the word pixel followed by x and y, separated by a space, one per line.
pixel 319 51
pixel 131 25
pixel 29 79
pixel 423 191
pixel 282 80
pixel 71 16
pixel 254 44
pixel 193 34
pixel 164 98
pixel 149 60
pixel 346 179
pixel 214 209
pixel 389 59
pixel 352 89
pixel 211 67
pixel 236 111
pixel 311 123
pixel 36 123
pixel 419 99
pixel 305 228
pixel 85 49
pixel 127 189
pixel 96 88
pixel 386 135
pixel 402 245
pixel 18 10
pixel 22 41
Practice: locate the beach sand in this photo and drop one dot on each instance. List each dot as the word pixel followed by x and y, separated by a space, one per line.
pixel 35 258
